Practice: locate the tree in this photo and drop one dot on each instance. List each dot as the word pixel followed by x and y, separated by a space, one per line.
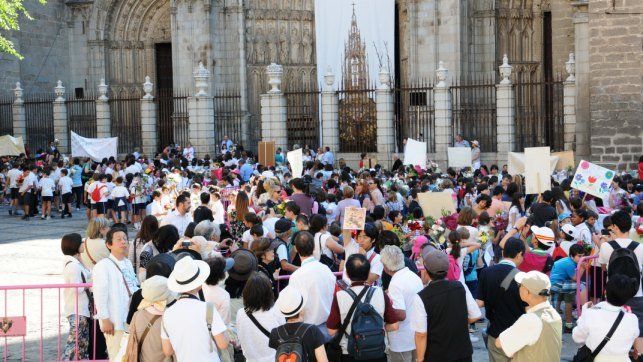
pixel 10 11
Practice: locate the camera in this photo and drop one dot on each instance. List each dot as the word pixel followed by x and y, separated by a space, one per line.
pixel 186 244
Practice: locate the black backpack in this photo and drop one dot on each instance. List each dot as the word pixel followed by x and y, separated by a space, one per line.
pixel 291 348
pixel 624 261
pixel 367 339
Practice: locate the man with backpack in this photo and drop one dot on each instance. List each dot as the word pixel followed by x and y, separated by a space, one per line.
pixel 296 341
pixel 442 312
pixel 360 315
pixel 621 255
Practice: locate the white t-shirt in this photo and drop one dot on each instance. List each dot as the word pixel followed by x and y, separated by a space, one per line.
pixel 65 184
pixel 103 191
pixel 316 282
pixel 321 240
pixel 606 252
pixel 47 186
pixel 30 180
pixel 253 342
pixel 247 238
pixel 180 221
pixel 186 329
pixel 220 298
pixel 376 262
pixel 119 191
pixel 402 291
pixel 13 176
pixel 156 209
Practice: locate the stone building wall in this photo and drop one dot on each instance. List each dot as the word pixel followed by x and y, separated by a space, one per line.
pixel 615 82
pixel 44 44
pixel 562 33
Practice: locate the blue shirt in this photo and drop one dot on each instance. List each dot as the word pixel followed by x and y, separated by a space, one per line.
pixel 76 175
pixel 246 172
pixel 473 275
pixel 328 158
pixel 563 270
pixel 279 158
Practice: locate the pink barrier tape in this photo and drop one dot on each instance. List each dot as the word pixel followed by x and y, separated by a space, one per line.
pixel 590 282
pixel 29 321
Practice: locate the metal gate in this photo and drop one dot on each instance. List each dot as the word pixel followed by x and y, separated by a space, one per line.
pixel 473 103
pixel 357 120
pixel 172 123
pixel 6 115
pixel 125 113
pixel 81 115
pixel 415 114
pixel 302 117
pixel 229 118
pixel 39 112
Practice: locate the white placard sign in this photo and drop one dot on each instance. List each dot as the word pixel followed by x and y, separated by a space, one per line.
pixel 296 161
pixel 537 170
pixel 459 156
pixel 415 153
pixel 95 148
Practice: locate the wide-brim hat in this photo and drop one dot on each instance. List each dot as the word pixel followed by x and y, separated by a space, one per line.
pixel 245 263
pixel 544 235
pixel 291 302
pixel 188 274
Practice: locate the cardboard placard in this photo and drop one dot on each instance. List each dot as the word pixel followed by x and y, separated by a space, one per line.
pixel 593 179
pixel 415 153
pixel 354 218
pixel 516 164
pixel 433 203
pixel 565 160
pixel 296 161
pixel 538 174
pixel 13 326
pixel 266 152
pixel 459 156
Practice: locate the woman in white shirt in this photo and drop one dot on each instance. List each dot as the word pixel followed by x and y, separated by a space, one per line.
pixel 218 211
pixel 77 300
pixel 324 242
pixel 94 249
pixel 212 290
pixel 257 318
pixel 595 322
pixel 517 209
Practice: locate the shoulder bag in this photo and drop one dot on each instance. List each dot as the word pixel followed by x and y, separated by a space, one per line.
pixel 129 293
pixel 584 354
pixel 325 259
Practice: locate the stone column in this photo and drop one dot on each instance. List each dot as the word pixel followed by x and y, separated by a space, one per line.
pixel 273 110
pixel 442 106
pixel 19 116
pixel 385 120
pixel 201 114
pixel 505 117
pixel 569 105
pixel 103 117
pixel 61 129
pixel 330 113
pixel 148 120
pixel 581 73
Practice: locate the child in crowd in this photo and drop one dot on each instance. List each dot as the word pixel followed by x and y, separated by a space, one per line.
pixel 47 187
pixel 120 196
pixel 563 282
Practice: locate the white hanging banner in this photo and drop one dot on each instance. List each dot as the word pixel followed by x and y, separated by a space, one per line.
pixel 296 161
pixel 95 148
pixel 354 38
pixel 11 146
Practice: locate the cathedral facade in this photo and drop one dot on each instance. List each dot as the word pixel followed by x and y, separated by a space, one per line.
pixel 122 41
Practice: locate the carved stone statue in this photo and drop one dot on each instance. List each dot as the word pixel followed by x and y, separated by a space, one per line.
pixel 308 47
pixel 259 49
pixel 271 44
pixel 295 49
pixel 283 46
pixel 250 45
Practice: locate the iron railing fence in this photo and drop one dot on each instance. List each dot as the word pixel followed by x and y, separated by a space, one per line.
pixel 39 113
pixel 172 122
pixel 357 119
pixel 302 117
pixel 6 114
pixel 539 114
pixel 125 113
pixel 229 118
pixel 81 115
pixel 415 114
pixel 473 102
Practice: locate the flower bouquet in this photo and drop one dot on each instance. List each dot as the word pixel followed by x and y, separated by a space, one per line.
pixel 501 220
pixel 280 208
pixel 450 220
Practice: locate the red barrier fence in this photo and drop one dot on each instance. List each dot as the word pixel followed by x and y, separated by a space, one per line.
pixel 590 282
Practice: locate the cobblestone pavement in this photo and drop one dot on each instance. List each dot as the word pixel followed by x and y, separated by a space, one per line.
pixel 30 252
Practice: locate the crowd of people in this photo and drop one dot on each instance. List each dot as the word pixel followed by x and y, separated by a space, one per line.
pixel 221 258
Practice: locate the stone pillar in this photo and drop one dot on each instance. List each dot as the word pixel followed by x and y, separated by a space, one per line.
pixel 273 110
pixel 148 120
pixel 330 113
pixel 505 117
pixel 19 116
pixel 581 73
pixel 385 120
pixel 61 131
pixel 103 117
pixel 569 105
pixel 201 114
pixel 442 106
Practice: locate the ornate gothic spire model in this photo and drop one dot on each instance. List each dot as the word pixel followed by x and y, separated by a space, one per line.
pixel 355 66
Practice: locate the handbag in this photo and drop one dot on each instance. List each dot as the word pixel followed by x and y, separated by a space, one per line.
pixel 333 347
pixel 584 354
pixel 325 259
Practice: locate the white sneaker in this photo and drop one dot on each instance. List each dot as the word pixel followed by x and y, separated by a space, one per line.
pixel 473 338
pixel 48 217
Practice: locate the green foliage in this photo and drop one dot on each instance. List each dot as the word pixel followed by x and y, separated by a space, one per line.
pixel 10 11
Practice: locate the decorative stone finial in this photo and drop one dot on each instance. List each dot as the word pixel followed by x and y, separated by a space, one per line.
pixel 201 80
pixel 441 74
pixel 147 87
pixel 385 78
pixel 570 67
pixel 329 78
pixel 102 90
pixel 505 70
pixel 274 72
pixel 60 91
pixel 17 93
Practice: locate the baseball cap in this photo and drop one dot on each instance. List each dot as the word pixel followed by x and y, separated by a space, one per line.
pixel 563 216
pixel 282 225
pixel 570 230
pixel 544 234
pixel 536 282
pixel 435 261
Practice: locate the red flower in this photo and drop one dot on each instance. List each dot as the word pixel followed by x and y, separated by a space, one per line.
pixel 451 221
